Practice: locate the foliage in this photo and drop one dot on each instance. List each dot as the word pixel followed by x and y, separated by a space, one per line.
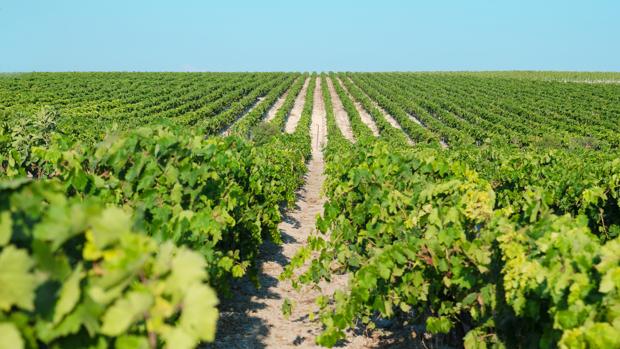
pixel 120 205
pixel 422 241
pixel 74 273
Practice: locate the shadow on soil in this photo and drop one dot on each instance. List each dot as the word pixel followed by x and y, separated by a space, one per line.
pixel 237 327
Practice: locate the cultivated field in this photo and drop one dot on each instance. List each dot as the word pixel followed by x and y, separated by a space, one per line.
pixel 289 210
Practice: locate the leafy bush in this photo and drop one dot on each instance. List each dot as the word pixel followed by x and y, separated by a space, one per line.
pixel 75 274
pixel 423 242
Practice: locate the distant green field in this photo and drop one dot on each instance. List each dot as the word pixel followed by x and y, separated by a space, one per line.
pixel 90 103
pixel 550 75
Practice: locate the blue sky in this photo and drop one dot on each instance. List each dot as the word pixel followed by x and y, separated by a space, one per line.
pixel 317 35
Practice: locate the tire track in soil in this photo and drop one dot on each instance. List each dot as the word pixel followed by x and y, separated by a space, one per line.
pixel 342 118
pixel 298 107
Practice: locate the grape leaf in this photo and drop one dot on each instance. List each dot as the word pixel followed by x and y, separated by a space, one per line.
pixel 69 294
pixel 438 324
pixel 6 227
pixel 178 338
pixel 125 311
pixel 18 284
pixel 131 342
pixel 187 268
pixel 10 338
pixel 200 312
pixel 109 226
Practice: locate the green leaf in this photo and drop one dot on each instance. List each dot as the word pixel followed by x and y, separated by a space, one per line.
pixel 10 338
pixel 472 341
pixel 226 263
pixel 200 313
pixel 69 294
pixel 131 342
pixel 287 308
pixel 188 268
pixel 177 193
pixel 6 227
pixel 83 315
pixel 164 258
pixel 610 281
pixel 125 311
pixel 438 324
pixel 18 283
pixel 178 338
pixel 603 335
pixel 14 183
pixel 108 227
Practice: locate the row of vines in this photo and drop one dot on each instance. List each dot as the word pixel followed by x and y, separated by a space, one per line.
pixel 489 218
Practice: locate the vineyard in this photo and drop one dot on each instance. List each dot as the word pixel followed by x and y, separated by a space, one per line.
pixel 406 210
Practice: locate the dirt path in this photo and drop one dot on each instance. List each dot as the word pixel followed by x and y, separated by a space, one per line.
pixel 366 118
pixel 253 317
pixel 228 130
pixel 342 118
pixel 276 106
pixel 389 118
pixel 298 107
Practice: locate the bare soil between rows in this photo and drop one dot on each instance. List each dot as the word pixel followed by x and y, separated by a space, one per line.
pixel 388 117
pixel 342 118
pixel 271 114
pixel 298 108
pixel 364 115
pixel 253 318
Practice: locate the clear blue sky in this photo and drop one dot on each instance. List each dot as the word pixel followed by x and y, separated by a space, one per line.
pixel 317 35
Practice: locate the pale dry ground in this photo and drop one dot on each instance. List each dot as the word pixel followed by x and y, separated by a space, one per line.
pixel 298 107
pixel 389 118
pixel 366 118
pixel 276 106
pixel 342 118
pixel 227 131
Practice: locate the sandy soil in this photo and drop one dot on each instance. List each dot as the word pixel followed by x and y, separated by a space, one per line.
pixel 227 131
pixel 342 118
pixel 389 118
pixel 366 118
pixel 253 318
pixel 275 107
pixel 298 107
